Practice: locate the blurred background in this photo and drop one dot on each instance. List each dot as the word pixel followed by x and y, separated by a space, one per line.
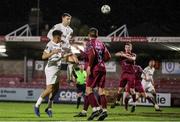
pixel 142 17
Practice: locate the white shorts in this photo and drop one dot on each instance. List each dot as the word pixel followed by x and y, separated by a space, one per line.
pixel 52 74
pixel 147 86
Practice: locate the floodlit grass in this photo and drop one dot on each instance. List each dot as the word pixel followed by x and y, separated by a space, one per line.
pixel 13 111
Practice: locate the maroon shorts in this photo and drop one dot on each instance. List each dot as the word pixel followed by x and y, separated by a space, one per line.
pixel 138 87
pixel 127 78
pixel 96 79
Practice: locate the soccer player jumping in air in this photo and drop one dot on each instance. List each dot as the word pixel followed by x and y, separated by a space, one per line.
pixel 127 75
pixel 66 37
pixel 52 52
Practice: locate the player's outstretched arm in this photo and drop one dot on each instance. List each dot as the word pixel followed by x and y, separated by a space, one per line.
pixel 107 55
pixel 144 76
pixel 133 58
pixel 91 56
pixel 118 54
pixel 82 53
pixel 48 55
pixel 69 57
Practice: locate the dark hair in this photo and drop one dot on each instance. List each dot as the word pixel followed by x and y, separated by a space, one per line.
pixel 56 33
pixel 93 32
pixel 66 14
pixel 129 44
pixel 151 59
pixel 86 39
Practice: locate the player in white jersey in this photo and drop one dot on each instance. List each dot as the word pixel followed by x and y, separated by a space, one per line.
pixel 66 37
pixel 65 29
pixel 53 52
pixel 148 81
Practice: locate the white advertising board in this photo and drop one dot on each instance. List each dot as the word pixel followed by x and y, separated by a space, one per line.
pixel 19 94
pixel 163 99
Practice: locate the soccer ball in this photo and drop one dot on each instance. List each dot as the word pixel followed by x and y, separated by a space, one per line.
pixel 105 9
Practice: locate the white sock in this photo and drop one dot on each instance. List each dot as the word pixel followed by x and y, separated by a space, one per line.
pixel 94 109
pixel 39 101
pixel 156 106
pixel 134 103
pixel 50 102
pixel 50 109
pixel 98 108
pixel 104 110
pixel 130 100
pixel 83 111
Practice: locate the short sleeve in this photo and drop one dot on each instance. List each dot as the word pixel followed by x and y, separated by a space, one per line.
pixel 49 35
pixel 85 74
pixel 48 48
pixel 145 70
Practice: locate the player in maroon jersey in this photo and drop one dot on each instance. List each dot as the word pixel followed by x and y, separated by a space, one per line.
pixel 139 88
pixel 127 74
pixel 96 73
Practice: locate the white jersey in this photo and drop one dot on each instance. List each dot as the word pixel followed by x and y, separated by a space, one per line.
pixel 66 34
pixel 149 73
pixel 55 59
pixel 147 84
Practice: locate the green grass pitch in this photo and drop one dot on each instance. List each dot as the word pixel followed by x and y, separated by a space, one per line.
pixel 14 111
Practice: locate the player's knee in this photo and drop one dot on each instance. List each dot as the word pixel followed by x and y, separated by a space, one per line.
pixel 101 91
pixel 153 91
pixel 79 94
pixel 132 91
pixel 50 88
pixel 127 94
pixel 143 95
pixel 120 90
pixel 89 90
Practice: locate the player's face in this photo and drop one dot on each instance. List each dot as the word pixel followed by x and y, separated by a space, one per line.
pixel 57 39
pixel 128 48
pixel 81 67
pixel 66 20
pixel 152 63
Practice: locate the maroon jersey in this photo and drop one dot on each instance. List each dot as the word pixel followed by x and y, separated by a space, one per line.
pixel 127 65
pixel 85 57
pixel 138 71
pixel 99 49
pixel 98 75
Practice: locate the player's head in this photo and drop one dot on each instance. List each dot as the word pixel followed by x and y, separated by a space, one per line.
pixel 152 63
pixel 81 66
pixel 56 35
pixel 93 33
pixel 85 41
pixel 66 19
pixel 128 47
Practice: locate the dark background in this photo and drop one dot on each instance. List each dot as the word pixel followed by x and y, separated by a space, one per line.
pixel 142 17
